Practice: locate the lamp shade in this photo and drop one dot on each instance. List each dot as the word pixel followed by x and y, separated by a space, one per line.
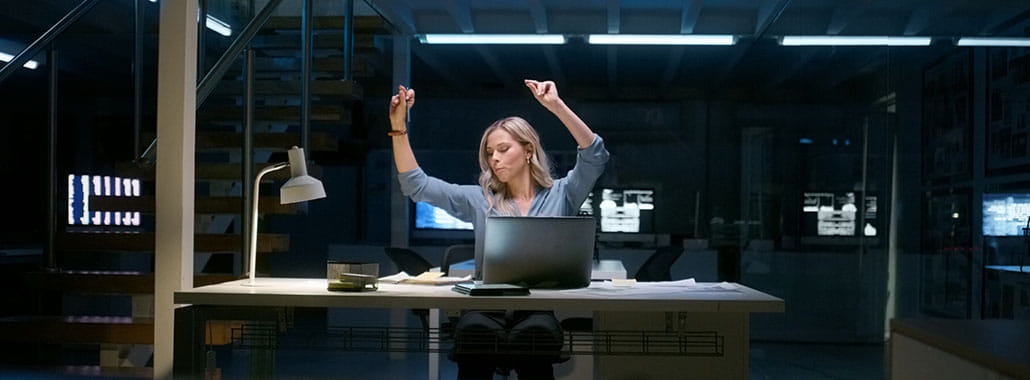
pixel 301 187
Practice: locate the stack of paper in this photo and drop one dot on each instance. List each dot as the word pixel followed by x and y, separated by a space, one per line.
pixel 427 278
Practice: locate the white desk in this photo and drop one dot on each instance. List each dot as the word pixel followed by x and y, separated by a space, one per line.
pixel 724 311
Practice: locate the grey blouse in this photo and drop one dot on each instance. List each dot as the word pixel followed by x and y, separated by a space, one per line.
pixel 467 202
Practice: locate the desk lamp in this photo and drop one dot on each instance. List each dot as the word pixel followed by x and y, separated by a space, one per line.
pixel 301 187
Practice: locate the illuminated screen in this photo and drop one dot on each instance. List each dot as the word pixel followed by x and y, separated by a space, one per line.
pixel 84 188
pixel 626 210
pixel 429 217
pixel 1005 214
pixel 837 214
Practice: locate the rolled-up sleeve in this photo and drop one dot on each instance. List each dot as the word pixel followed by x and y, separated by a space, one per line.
pixel 458 200
pixel 590 163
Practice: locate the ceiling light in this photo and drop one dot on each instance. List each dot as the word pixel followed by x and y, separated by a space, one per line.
pixel 539 39
pixel 662 39
pixel 28 65
pixel 218 26
pixel 993 41
pixel 854 41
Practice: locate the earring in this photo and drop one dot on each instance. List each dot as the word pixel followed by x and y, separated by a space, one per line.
pixel 527 159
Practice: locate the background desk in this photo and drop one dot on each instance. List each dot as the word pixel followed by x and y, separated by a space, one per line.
pixel 722 311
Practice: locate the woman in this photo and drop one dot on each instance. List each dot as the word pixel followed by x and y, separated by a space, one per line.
pixel 515 179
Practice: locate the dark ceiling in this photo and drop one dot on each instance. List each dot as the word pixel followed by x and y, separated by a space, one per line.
pixel 757 64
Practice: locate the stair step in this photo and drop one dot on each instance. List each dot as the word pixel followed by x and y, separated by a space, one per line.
pixel 340 88
pixel 144 242
pixel 77 329
pixel 332 64
pixel 362 24
pixel 213 171
pixel 273 113
pixel 323 41
pixel 277 141
pixel 201 205
pixel 109 282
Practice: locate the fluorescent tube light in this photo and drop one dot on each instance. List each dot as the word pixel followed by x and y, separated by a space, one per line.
pixel 218 26
pixel 662 39
pixel 28 65
pixel 538 39
pixel 854 41
pixel 993 41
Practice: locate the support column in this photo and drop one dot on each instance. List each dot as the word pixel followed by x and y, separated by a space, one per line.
pixel 398 203
pixel 176 129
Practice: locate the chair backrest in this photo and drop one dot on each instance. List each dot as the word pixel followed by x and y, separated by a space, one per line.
pixel 408 261
pixel 456 254
pixel 656 267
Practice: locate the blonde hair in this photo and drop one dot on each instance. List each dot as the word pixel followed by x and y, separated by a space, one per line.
pixel 539 166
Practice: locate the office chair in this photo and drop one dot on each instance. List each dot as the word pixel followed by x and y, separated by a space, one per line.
pixel 413 264
pixel 456 254
pixel 407 260
pixel 657 266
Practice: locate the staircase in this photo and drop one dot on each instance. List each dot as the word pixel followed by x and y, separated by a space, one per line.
pixel 99 304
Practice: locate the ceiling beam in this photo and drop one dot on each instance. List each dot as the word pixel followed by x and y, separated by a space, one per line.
pixel 785 73
pixel 557 75
pixel 924 16
pixel 613 69
pixel 614 16
pixel 443 70
pixel 768 12
pixel 845 12
pixel 767 15
pixel 536 9
pixel 397 14
pixel 498 68
pixel 461 12
pixel 689 15
pixel 672 67
pixel 1000 20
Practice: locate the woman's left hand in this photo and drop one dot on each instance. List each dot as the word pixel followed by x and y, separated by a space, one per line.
pixel 546 93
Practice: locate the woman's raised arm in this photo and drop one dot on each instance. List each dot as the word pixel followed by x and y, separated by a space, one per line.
pixel 400 105
pixel 547 94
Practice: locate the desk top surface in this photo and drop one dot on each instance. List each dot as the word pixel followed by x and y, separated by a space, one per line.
pixel 312 292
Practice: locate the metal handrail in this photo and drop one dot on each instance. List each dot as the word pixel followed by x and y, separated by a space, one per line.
pixel 44 40
pixel 207 85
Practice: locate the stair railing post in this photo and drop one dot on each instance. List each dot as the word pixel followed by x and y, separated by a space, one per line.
pixel 348 40
pixel 247 158
pixel 51 255
pixel 305 74
pixel 201 46
pixel 137 77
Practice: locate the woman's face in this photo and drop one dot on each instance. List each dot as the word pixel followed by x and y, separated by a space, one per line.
pixel 506 156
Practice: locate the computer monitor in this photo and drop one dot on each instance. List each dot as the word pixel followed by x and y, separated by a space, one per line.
pixel 627 210
pixel 434 223
pixel 1005 214
pixel 840 213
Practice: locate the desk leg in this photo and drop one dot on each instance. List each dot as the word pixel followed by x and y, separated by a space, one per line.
pixel 733 364
pixel 434 345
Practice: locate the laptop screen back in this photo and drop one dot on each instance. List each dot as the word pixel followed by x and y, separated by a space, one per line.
pixel 538 252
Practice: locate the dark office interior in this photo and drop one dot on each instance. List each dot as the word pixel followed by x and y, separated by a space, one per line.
pixel 877 188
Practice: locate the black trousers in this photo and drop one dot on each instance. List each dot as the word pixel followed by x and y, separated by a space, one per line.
pixel 528 342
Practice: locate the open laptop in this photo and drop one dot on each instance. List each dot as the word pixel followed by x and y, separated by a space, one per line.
pixel 538 252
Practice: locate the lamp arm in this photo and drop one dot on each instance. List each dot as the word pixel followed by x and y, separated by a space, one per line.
pixel 254 216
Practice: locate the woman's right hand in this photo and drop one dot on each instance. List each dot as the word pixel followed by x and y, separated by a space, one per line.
pixel 399 106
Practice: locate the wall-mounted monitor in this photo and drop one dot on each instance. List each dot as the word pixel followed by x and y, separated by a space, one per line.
pixel 625 210
pixel 844 213
pixel 1005 214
